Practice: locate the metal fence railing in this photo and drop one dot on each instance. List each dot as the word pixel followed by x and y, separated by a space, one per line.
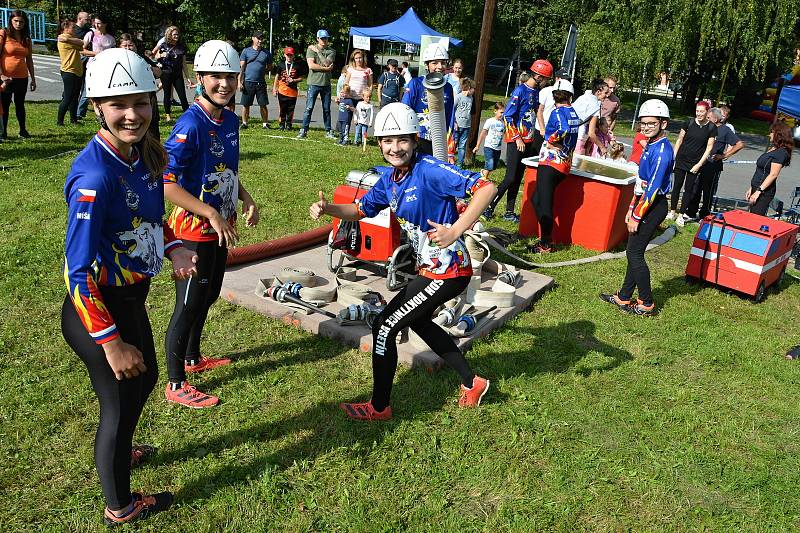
pixel 36 22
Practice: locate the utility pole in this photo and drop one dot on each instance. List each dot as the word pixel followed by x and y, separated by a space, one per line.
pixel 480 73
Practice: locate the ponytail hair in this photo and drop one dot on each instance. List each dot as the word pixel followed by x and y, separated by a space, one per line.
pixel 153 153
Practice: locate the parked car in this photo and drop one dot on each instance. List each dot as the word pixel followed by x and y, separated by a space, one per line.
pixel 497 69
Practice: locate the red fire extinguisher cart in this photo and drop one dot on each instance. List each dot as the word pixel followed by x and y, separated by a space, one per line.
pixel 741 251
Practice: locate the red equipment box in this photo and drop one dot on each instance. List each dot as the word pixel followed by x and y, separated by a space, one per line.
pixel 380 235
pixel 589 206
pixel 741 251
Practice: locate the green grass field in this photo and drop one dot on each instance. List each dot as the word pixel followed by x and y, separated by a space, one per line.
pixel 596 421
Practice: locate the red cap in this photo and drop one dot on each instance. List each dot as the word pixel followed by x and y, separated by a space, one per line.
pixel 288 50
pixel 543 68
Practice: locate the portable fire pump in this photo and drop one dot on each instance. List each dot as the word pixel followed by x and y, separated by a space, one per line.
pixel 741 251
pixel 378 240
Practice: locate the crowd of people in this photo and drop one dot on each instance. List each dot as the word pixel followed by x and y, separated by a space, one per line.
pixel 116 189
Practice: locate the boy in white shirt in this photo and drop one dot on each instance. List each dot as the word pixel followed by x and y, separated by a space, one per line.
pixel 364 116
pixel 492 138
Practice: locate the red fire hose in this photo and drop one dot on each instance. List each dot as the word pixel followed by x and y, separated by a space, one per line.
pixel 262 250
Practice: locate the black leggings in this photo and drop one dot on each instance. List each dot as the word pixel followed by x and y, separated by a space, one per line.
pixel 121 402
pixel 69 101
pixel 193 299
pixel 547 179
pixel 514 171
pixel 413 307
pixel 637 274
pixel 286 104
pixel 173 79
pixel 688 189
pixel 17 89
pixel 705 188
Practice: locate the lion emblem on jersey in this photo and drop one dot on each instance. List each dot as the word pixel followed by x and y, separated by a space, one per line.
pixel 224 185
pixel 145 242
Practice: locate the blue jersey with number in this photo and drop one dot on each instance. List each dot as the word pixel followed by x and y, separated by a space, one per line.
pixel 428 191
pixel 115 234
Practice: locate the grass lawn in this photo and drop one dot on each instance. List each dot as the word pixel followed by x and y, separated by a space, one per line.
pixel 596 421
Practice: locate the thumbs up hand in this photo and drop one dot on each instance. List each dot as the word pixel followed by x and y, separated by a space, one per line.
pixel 441 236
pixel 317 209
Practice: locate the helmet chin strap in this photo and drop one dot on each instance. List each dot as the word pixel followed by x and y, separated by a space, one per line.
pixel 208 99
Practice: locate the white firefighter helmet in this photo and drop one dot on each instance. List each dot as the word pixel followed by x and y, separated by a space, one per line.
pixel 117 72
pixel 396 119
pixel 564 85
pixel 216 56
pixel 654 108
pixel 435 51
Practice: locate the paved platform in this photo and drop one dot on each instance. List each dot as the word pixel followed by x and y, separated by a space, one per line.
pixel 242 282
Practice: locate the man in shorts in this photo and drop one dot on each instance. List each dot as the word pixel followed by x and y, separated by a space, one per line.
pixel 253 63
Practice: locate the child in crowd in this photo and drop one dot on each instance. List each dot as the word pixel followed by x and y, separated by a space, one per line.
pixel 639 144
pixel 364 115
pixel 463 119
pixel 285 87
pixel 492 138
pixel 390 84
pixel 346 109
pixel 616 151
pixel 604 136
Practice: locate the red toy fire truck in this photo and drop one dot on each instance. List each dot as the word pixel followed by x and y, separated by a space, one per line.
pixel 741 251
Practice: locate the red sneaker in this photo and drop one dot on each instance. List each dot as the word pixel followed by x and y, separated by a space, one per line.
pixel 189 396
pixel 142 507
pixel 472 397
pixel 206 363
pixel 365 411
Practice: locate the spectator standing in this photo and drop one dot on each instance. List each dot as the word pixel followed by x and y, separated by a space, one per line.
pixel 463 121
pixel 520 119
pixel 254 62
pixel 69 52
pixel 346 109
pixel 454 78
pixel 768 168
pixel 171 56
pixel 83 25
pixel 588 107
pixel 358 75
pixel 492 138
pixel 364 114
pixel 609 108
pixel 692 149
pixel 97 38
pixel 390 84
pixel 639 144
pixel 726 144
pixel 320 58
pixel 16 62
pixel 406 73
pixel 285 88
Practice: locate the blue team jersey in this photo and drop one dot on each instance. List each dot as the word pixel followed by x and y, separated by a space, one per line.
pixel 520 113
pixel 416 98
pixel 115 233
pixel 561 134
pixel 428 191
pixel 204 160
pixel 655 175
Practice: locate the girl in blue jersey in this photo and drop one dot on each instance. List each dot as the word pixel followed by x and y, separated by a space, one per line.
pixel 202 180
pixel 555 161
pixel 422 192
pixel 648 209
pixel 115 243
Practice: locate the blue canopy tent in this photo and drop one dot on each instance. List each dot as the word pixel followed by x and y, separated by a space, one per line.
pixel 407 29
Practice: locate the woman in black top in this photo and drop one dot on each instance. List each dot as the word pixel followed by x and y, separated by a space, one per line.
pixel 768 167
pixel 692 148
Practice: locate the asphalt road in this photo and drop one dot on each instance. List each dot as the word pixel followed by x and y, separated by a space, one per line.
pixel 733 183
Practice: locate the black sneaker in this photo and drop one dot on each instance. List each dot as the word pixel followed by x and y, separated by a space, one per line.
pixel 243 126
pixel 25 134
pixel 142 507
pixel 511 217
pixel 540 248
pixel 621 304
pixel 640 309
